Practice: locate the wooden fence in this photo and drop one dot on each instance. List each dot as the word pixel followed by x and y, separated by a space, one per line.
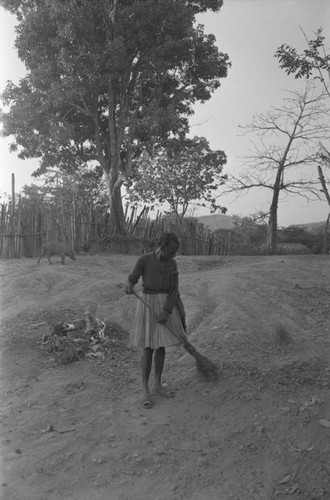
pixel 27 225
pixel 195 238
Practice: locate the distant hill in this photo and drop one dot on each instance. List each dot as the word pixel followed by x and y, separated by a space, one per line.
pixel 216 221
pixel 311 226
pixel 219 221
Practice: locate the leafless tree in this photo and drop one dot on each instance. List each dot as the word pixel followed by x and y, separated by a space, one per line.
pixel 313 62
pixel 285 152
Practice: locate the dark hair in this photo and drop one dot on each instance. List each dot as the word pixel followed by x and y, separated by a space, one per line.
pixel 166 239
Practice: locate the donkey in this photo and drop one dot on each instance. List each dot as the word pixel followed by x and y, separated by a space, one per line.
pixel 61 249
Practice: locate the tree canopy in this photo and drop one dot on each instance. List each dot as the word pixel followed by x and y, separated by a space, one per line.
pixel 106 79
pixel 183 172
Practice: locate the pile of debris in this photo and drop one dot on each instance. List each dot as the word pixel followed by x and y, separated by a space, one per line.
pixel 89 337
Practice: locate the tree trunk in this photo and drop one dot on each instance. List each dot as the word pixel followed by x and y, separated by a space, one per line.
pixel 325 236
pixel 117 225
pixel 327 195
pixel 272 224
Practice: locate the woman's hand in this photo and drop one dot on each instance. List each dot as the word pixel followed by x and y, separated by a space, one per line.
pixel 129 288
pixel 163 317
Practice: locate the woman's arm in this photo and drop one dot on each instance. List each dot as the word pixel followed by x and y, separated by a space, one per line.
pixel 135 275
pixel 173 291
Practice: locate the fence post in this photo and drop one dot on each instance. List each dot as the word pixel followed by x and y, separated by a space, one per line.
pixel 12 251
pixel 18 228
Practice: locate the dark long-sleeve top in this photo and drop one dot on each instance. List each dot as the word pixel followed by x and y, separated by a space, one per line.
pixel 158 277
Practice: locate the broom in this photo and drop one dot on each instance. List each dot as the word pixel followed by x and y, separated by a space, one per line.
pixel 206 368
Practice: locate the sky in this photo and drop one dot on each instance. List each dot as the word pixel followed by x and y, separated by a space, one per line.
pixel 250 31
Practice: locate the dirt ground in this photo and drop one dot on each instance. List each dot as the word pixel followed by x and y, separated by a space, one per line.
pixel 78 430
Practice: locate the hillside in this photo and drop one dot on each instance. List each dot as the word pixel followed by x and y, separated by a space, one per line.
pixel 216 221
pixel 220 221
pixel 313 227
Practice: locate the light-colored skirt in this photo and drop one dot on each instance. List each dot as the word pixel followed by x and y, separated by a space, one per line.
pixel 147 332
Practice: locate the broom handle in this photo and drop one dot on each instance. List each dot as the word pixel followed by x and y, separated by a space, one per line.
pixel 182 339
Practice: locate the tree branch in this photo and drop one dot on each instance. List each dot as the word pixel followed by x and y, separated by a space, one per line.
pixel 317 63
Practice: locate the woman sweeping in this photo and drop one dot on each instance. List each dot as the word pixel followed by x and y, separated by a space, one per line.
pixel 161 306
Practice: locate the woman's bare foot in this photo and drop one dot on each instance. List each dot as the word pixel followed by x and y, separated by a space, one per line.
pixel 146 401
pixel 161 391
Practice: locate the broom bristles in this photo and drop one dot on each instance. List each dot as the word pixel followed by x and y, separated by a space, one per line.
pixel 206 368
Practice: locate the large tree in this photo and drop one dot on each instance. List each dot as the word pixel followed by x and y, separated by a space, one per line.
pixel 285 153
pixel 105 79
pixel 183 172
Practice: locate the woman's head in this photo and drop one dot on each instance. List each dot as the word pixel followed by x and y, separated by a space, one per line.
pixel 169 244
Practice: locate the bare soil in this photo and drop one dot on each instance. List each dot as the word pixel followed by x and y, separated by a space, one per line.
pixel 78 430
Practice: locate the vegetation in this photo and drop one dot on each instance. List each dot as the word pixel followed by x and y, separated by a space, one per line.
pixel 105 80
pixel 314 62
pixel 248 236
pixel 287 148
pixel 185 171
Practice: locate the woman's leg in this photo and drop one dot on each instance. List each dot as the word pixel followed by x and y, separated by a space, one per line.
pixel 159 365
pixel 159 359
pixel 146 363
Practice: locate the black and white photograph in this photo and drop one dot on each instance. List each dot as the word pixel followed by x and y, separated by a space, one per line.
pixel 164 249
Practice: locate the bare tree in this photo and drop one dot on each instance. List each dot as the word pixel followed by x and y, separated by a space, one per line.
pixel 313 62
pixel 285 152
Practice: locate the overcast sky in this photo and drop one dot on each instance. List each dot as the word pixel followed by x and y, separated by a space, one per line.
pixel 250 31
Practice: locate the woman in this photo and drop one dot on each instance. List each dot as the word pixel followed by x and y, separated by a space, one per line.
pixel 160 283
